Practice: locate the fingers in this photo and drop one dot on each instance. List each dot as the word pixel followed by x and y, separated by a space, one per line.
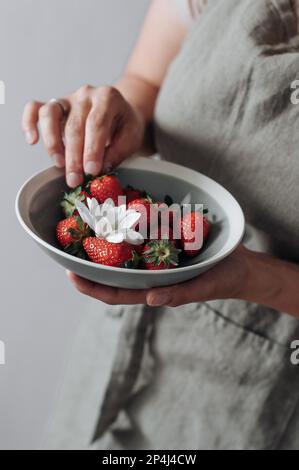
pixel 50 119
pixel 170 296
pixel 199 289
pixel 96 133
pixel 108 295
pixel 107 105
pixel 30 120
pixel 74 142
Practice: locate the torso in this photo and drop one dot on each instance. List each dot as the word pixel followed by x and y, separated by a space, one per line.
pixel 190 10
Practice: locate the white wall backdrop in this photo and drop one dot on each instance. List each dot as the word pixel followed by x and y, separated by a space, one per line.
pixel 47 48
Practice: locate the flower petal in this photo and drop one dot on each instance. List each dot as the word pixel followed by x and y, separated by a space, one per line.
pixel 94 206
pixel 115 237
pixel 134 238
pixel 98 212
pixel 121 212
pixel 107 205
pixel 112 217
pixel 129 220
pixel 103 227
pixel 85 214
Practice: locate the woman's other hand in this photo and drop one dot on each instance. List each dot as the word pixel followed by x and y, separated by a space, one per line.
pixel 226 280
pixel 245 275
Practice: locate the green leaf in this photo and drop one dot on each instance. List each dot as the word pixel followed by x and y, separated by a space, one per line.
pixel 80 223
pixel 133 262
pixel 76 249
pixel 168 200
pixel 73 232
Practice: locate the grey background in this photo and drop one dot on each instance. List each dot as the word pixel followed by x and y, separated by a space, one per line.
pixel 47 48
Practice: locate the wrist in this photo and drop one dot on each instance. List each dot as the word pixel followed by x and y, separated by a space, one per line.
pixel 140 94
pixel 261 286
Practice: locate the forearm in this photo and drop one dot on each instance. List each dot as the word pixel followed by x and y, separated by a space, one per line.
pixel 140 93
pixel 142 97
pixel 271 282
pixel 160 40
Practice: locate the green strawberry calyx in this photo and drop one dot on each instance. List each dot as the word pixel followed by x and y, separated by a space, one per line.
pixel 69 201
pixel 78 235
pixel 161 252
pixel 133 262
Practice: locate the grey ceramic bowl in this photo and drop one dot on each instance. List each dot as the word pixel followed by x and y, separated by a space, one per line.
pixel 38 210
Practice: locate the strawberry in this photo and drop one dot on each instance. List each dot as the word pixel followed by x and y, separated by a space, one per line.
pixel 139 249
pixel 189 223
pixel 70 232
pixel 160 254
pixel 119 255
pixel 132 194
pixel 69 201
pixel 106 187
pixel 142 205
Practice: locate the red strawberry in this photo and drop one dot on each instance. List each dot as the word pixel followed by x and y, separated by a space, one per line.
pixel 139 249
pixel 119 255
pixel 106 187
pixel 69 201
pixel 191 222
pixel 132 194
pixel 160 254
pixel 144 206
pixel 70 232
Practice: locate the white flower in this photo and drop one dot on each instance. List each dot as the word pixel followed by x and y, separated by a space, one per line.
pixel 110 222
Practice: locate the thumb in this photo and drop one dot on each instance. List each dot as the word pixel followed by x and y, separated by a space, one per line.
pixel 171 296
pixel 199 289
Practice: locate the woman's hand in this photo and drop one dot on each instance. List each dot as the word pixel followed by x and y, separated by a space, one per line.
pixel 226 280
pixel 245 275
pixel 105 125
pixel 100 129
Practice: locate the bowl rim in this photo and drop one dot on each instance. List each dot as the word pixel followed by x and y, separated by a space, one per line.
pixel 164 167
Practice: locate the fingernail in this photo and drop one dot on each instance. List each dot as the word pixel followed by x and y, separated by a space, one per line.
pixel 29 136
pixel 58 160
pixel 73 179
pixel 158 300
pixel 92 168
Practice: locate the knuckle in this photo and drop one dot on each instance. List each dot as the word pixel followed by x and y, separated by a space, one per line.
pixel 74 124
pixel 81 104
pixel 52 146
pixel 91 155
pixel 73 167
pixel 97 120
pixel 109 93
pixel 30 105
pixel 84 91
pixel 44 111
pixel 74 163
